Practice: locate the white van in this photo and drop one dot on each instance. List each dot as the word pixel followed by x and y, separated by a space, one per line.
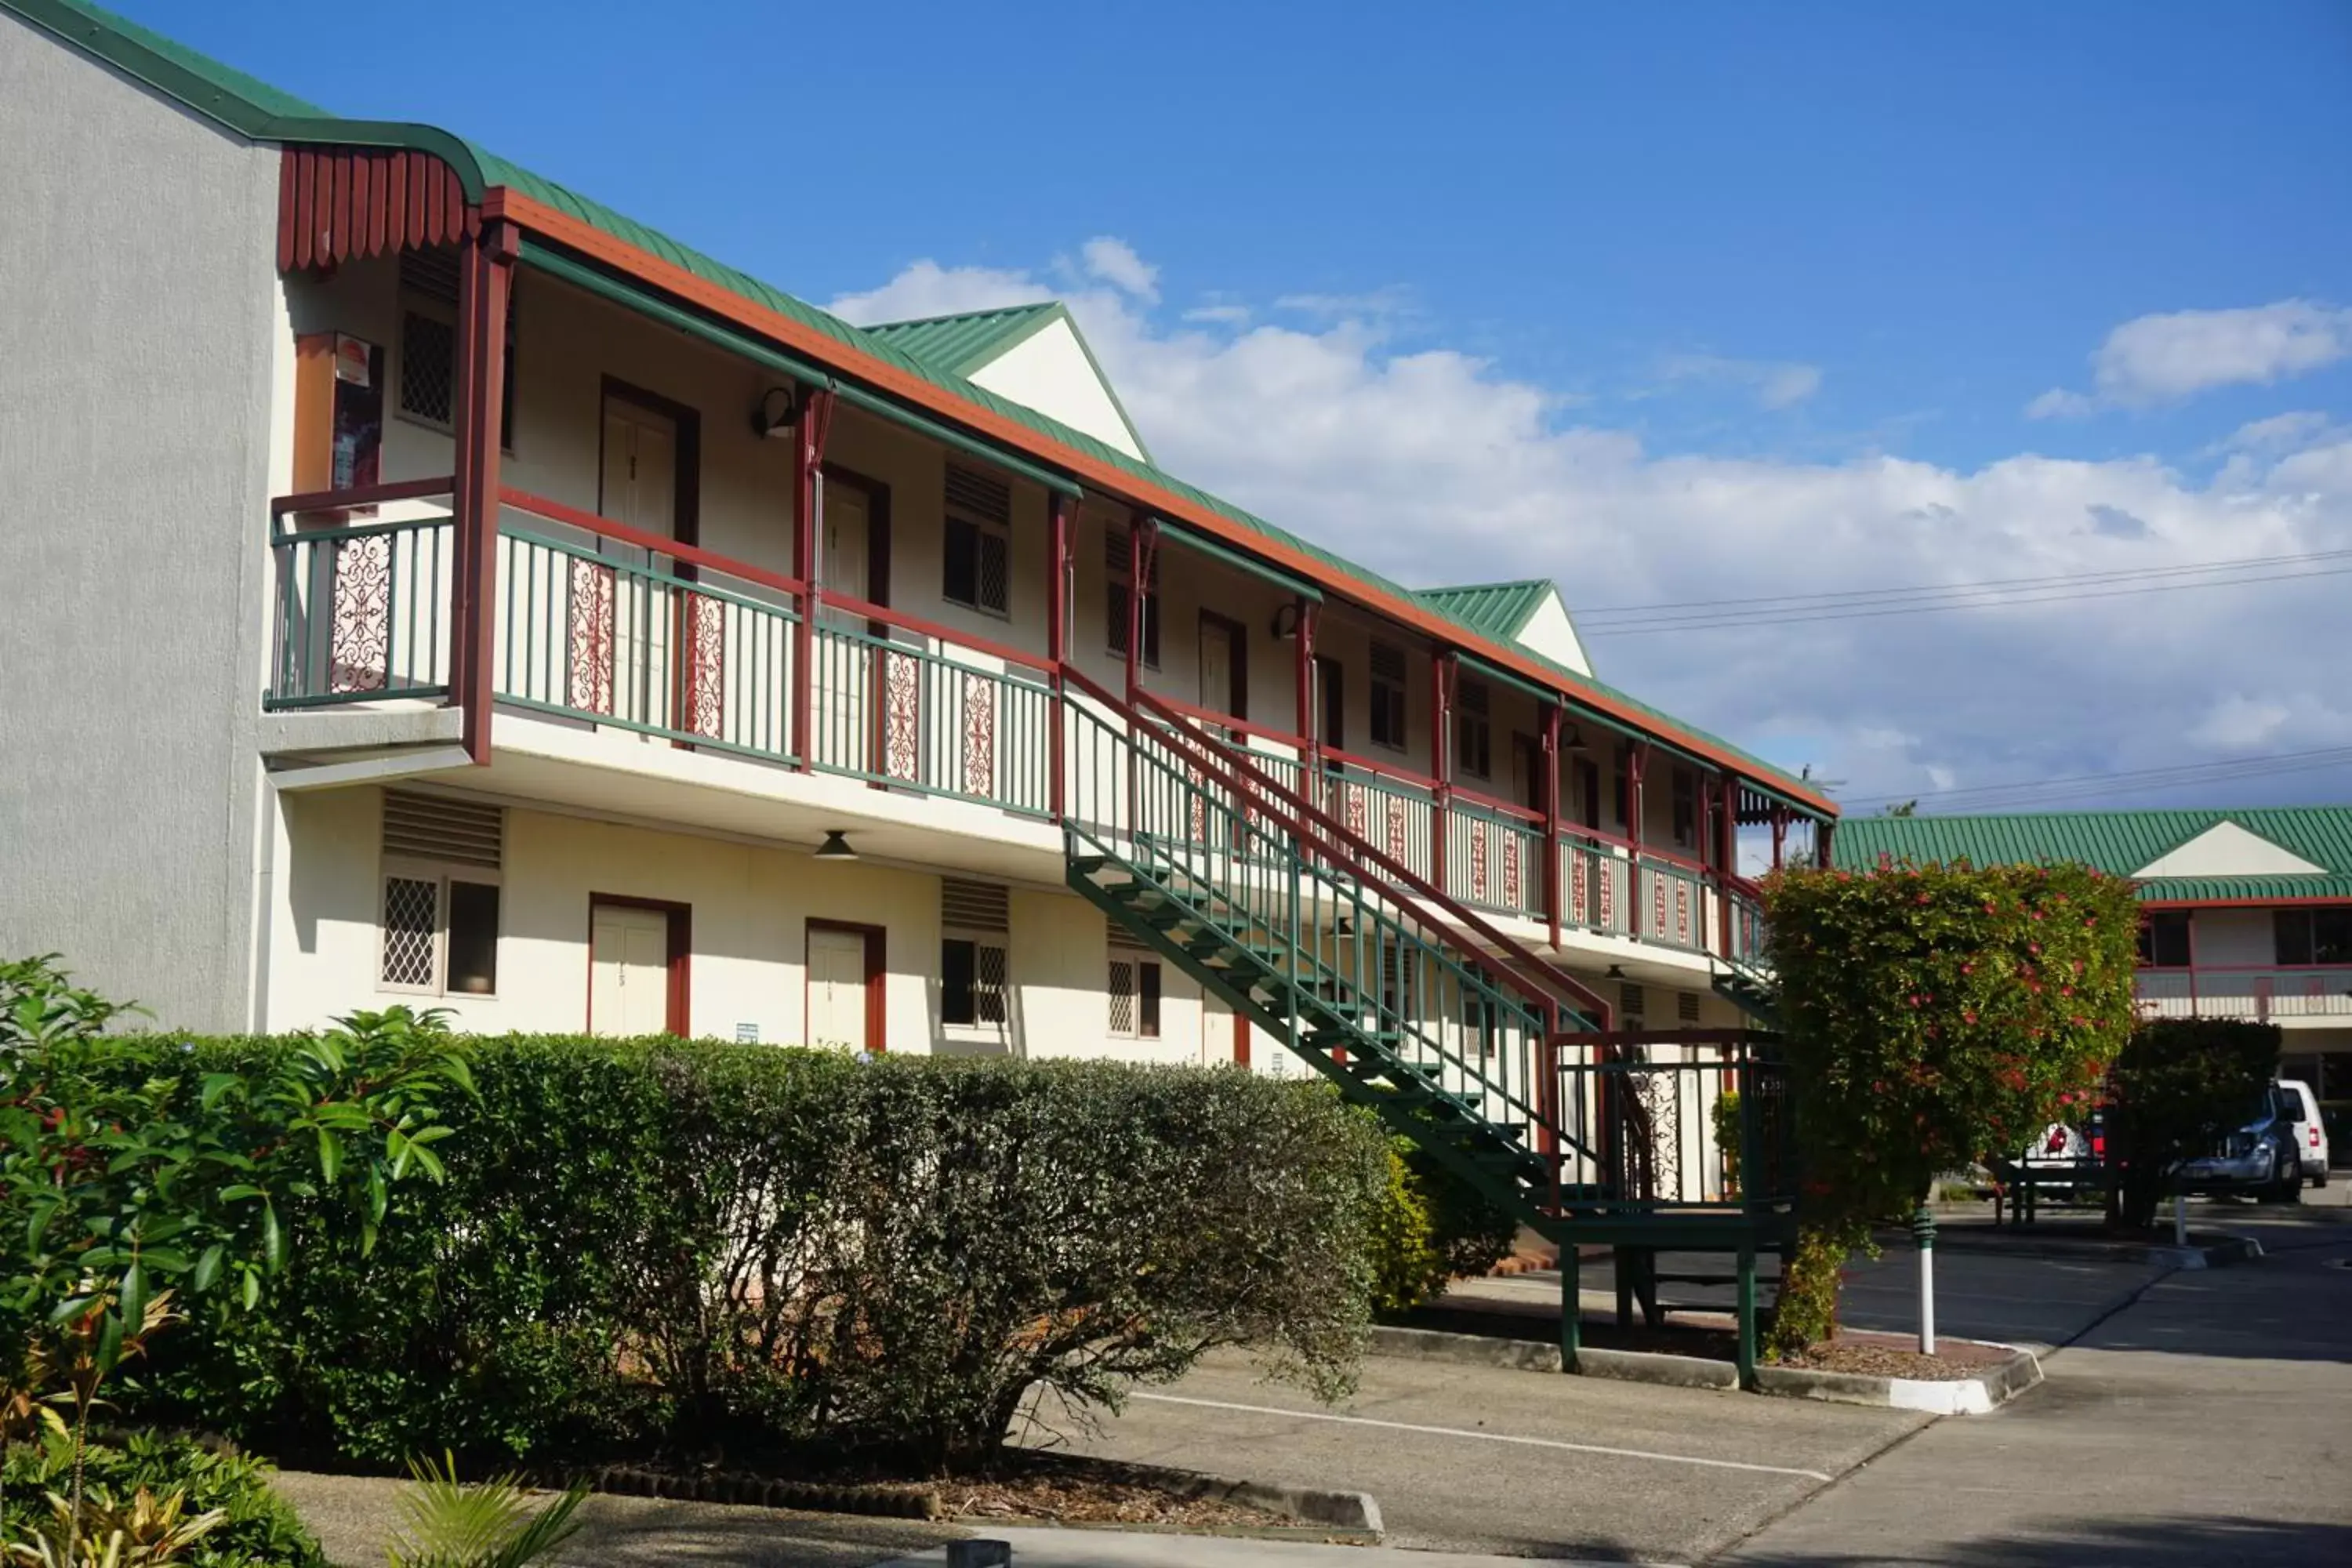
pixel 2298 1104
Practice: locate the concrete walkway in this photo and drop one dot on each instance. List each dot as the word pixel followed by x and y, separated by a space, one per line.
pixel 2208 1423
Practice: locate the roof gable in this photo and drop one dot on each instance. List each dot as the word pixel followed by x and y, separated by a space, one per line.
pixel 1033 354
pixel 2226 849
pixel 1529 612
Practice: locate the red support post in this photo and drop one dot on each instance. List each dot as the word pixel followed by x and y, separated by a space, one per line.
pixel 1057 633
pixel 1139 532
pixel 1637 756
pixel 1779 835
pixel 484 283
pixel 1822 831
pixel 1442 669
pixel 808 523
pixel 1727 855
pixel 1550 858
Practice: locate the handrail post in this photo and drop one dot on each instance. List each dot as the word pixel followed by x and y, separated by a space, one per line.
pixel 1057 607
pixel 1552 819
pixel 808 521
pixel 485 281
pixel 1636 755
pixel 1726 856
pixel 1441 667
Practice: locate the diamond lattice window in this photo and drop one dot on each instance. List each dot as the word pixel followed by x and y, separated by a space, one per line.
pixel 428 362
pixel 411 917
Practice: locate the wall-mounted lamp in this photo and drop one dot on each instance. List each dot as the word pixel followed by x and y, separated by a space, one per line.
pixel 1285 622
pixel 835 846
pixel 1573 740
pixel 1616 971
pixel 776 412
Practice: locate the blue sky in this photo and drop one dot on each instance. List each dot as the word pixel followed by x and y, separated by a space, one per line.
pixel 1819 258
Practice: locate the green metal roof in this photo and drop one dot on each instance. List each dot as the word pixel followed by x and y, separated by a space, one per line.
pixel 256 110
pixel 961 345
pixel 1500 609
pixel 2117 842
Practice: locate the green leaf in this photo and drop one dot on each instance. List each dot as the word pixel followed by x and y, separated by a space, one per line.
pixel 134 1292
pixel 330 1154
pixel 273 1240
pixel 252 1287
pixel 109 1342
pixel 208 1267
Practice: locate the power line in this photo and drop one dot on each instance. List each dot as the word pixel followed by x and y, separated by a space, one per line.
pixel 1730 623
pixel 2080 786
pixel 1769 602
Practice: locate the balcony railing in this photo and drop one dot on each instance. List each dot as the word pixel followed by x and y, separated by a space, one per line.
pixel 2275 992
pixel 600 623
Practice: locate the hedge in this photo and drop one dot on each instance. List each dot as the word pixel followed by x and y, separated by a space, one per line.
pixel 702 1245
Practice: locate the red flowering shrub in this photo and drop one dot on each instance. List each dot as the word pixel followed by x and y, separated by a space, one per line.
pixel 1936 1014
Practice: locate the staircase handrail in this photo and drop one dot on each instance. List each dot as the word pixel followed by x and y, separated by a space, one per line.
pixel 1543 982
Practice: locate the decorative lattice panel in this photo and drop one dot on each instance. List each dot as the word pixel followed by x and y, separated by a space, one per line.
pixel 411 916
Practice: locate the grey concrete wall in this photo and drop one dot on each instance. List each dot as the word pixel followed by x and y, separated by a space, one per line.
pixel 138 318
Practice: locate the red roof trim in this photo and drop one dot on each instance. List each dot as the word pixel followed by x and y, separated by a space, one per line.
pixel 501 201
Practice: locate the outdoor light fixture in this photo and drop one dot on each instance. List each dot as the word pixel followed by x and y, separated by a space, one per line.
pixel 1573 740
pixel 1285 622
pixel 775 414
pixel 835 846
pixel 1616 971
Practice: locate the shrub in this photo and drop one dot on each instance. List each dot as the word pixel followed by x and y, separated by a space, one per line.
pixel 2177 1088
pixel 1935 1014
pixel 761 1244
pixel 261 1529
pixel 1408 1270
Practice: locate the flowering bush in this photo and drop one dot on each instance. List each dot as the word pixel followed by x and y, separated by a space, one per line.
pixel 1936 1014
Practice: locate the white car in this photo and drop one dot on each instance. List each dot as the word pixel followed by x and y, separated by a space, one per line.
pixel 2299 1106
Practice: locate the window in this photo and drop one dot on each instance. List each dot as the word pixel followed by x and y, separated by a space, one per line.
pixel 427 381
pixel 1398 977
pixel 2313 936
pixel 1134 988
pixel 978 573
pixel 2164 940
pixel 1473 729
pixel 1118 560
pixel 974 973
pixel 441 886
pixel 1686 788
pixel 1387 696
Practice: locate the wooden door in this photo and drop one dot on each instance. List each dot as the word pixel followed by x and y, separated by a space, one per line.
pixel 847 662
pixel 629 987
pixel 838 1004
pixel 639 487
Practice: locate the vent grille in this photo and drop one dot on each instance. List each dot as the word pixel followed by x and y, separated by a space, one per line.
pixel 1388 662
pixel 1123 938
pixel 983 497
pixel 1474 698
pixel 429 362
pixel 429 828
pixel 432 273
pixel 1630 1000
pixel 976 906
pixel 1686 1007
pixel 1115 554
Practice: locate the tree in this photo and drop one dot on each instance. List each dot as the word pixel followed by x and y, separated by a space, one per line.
pixel 1935 1015
pixel 2180 1086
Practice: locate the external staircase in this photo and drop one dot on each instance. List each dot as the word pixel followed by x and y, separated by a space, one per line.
pixel 1499 1063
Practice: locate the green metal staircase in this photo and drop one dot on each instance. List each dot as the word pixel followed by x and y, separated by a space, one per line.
pixel 1412 1004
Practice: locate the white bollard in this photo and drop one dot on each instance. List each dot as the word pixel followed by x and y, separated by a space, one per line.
pixel 1923 1230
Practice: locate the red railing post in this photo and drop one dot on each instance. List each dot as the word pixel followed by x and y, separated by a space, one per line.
pixel 1551 825
pixel 1636 756
pixel 1441 667
pixel 808 521
pixel 1727 855
pixel 485 277
pixel 1058 634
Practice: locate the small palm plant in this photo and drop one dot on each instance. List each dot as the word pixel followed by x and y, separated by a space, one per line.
pixel 486 1524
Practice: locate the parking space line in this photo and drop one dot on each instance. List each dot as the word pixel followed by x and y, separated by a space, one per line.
pixel 1485 1437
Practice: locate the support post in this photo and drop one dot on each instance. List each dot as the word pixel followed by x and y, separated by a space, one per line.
pixel 1442 667
pixel 1571 1310
pixel 1923 1231
pixel 1550 858
pixel 1057 637
pixel 1746 1312
pixel 485 281
pixel 1727 856
pixel 1779 835
pixel 1822 832
pixel 808 524
pixel 1308 727
pixel 1636 756
pixel 1139 562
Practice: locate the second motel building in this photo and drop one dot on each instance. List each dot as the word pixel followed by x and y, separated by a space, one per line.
pixel 454 593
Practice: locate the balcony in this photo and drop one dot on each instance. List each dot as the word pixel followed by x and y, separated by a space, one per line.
pixel 2288 995
pixel 602 628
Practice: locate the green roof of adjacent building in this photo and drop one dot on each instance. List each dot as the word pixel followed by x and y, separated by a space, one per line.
pixel 256 110
pixel 2117 842
pixel 1498 609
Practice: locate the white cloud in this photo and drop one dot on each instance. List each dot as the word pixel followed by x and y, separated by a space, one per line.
pixel 1775 383
pixel 2164 358
pixel 1434 467
pixel 1224 315
pixel 1116 263
pixel 927 288
pixel 2279 433
pixel 1378 305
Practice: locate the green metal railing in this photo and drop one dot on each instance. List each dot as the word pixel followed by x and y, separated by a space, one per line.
pixel 1665 1134
pixel 1396 816
pixel 1494 861
pixel 1596 886
pixel 1746 925
pixel 1674 905
pixel 622 643
pixel 907 712
pixel 362 612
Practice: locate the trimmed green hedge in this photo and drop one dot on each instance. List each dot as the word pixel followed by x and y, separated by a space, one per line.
pixel 704 1245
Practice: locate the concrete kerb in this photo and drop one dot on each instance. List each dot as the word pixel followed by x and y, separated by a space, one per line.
pixel 1955 1397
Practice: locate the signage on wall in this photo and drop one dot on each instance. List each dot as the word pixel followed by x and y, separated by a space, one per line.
pixel 358 412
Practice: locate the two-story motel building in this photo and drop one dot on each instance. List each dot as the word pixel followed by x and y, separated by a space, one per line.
pixel 428 585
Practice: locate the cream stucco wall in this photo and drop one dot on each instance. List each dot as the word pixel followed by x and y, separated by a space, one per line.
pixel 137 264
pixel 1049 371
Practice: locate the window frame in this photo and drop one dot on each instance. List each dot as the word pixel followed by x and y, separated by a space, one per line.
pixel 1388 702
pixel 981 533
pixel 2173 919
pixel 2317 953
pixel 1121 585
pixel 1474 729
pixel 442 874
pixel 1146 993
pixel 412 302
pixel 979 1025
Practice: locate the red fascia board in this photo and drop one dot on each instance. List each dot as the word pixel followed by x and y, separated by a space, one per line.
pixel 499 201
